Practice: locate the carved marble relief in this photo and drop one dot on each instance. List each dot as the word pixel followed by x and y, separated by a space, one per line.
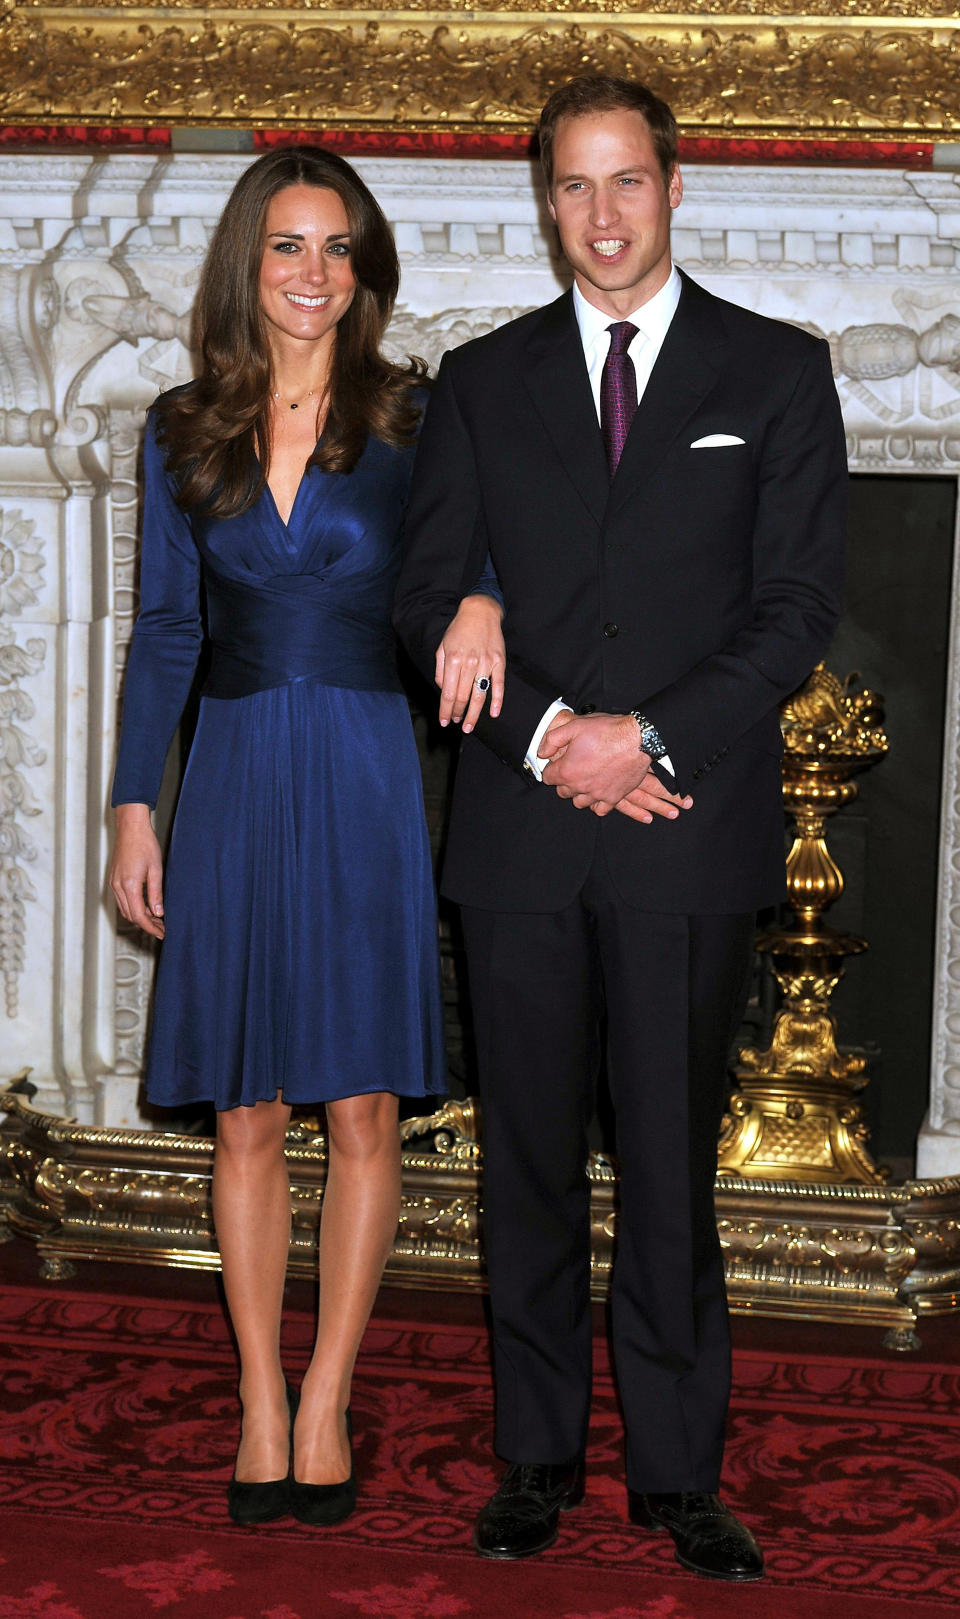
pixel 135 954
pixel 98 263
pixel 21 658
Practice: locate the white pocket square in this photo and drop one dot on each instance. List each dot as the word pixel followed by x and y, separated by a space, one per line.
pixel 714 441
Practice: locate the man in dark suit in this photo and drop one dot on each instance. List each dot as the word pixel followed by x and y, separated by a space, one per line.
pixel 659 477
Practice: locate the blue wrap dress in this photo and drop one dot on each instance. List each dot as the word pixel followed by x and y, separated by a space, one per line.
pixel 300 956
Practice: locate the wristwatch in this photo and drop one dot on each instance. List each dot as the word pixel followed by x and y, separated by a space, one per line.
pixel 651 742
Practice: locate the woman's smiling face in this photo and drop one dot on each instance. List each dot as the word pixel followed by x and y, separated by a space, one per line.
pixel 307 282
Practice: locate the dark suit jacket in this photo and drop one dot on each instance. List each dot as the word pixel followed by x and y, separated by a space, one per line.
pixel 701 587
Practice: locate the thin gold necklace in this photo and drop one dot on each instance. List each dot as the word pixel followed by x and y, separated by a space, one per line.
pixel 294 403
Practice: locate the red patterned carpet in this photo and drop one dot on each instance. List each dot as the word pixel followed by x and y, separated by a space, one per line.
pixel 117 1430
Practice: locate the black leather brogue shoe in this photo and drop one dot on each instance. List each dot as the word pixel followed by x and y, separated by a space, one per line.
pixel 521 1519
pixel 708 1538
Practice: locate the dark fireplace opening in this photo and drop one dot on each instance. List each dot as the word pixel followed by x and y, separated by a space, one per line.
pixel 895 631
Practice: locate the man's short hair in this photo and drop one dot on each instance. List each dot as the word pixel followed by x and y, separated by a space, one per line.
pixel 595 92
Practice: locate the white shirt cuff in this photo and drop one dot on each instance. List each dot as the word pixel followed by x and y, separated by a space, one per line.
pixel 532 761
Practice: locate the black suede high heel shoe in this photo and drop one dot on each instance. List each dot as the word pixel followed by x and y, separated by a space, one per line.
pixel 250 1504
pixel 323 1505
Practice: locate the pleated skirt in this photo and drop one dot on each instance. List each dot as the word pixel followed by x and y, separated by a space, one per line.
pixel 300 956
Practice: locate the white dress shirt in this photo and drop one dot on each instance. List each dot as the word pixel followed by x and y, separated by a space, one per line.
pixel 652 321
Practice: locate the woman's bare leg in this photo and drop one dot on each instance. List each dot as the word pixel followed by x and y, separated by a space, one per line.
pixel 361 1206
pixel 251 1211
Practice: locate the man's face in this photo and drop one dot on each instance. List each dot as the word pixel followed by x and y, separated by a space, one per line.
pixel 612 209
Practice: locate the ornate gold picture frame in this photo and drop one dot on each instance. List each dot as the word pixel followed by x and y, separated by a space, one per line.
pixel 794 70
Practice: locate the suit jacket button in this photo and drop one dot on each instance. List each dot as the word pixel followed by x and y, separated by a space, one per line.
pixel 610 630
pixel 589 708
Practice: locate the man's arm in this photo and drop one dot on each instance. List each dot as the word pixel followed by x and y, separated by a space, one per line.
pixel 445 550
pixel 798 548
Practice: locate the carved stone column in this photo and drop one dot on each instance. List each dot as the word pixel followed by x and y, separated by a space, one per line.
pixel 48 516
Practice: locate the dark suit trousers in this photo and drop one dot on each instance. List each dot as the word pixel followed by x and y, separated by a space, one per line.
pixel 671 989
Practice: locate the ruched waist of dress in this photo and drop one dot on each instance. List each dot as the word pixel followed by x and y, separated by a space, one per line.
pixel 292 628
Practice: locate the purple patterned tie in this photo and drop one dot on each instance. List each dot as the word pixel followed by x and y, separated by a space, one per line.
pixel 618 392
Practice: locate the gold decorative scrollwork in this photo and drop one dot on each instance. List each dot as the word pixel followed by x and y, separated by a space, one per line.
pixel 877 1254
pixel 453 1129
pixel 828 716
pixel 789 70
pixel 836 9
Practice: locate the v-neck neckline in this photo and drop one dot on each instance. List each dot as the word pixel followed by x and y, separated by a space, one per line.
pixel 286 521
pixel 307 469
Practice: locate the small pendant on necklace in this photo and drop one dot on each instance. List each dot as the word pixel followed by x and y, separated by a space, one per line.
pixel 294 407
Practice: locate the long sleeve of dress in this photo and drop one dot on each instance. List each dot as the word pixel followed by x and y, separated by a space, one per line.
pixel 488 584
pixel 166 638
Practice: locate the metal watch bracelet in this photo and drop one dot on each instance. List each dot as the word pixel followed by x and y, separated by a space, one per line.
pixel 651 742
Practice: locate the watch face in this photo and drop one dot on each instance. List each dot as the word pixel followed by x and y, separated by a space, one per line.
pixel 651 741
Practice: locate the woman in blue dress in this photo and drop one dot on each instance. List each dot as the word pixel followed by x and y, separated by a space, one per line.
pixel 299 962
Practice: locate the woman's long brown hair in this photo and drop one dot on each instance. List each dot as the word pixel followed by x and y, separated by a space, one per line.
pixel 216 431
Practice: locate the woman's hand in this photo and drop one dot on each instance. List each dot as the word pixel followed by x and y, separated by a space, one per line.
pixel 137 867
pixel 471 647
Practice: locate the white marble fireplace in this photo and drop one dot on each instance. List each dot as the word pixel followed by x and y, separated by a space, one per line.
pixel 98 262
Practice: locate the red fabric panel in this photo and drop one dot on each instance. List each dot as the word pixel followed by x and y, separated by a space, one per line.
pixel 496 143
pixel 45 136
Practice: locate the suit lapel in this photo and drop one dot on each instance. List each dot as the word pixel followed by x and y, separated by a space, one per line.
pixel 555 372
pixel 686 370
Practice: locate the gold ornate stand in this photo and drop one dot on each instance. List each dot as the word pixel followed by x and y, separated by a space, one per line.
pixel 878 1255
pixel 795 1112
